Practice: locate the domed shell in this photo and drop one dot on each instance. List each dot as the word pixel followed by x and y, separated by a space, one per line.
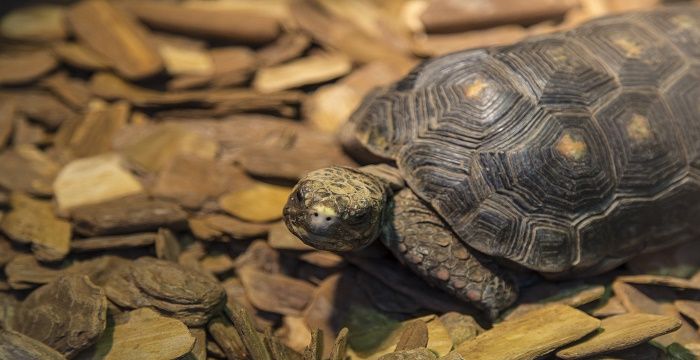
pixel 566 152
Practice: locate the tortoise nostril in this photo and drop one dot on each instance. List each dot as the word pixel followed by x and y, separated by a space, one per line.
pixel 328 219
pixel 315 214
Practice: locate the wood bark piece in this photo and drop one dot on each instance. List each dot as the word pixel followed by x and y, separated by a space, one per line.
pixel 689 308
pixel 80 56
pixel 167 245
pixel 28 133
pixel 14 345
pixel 126 216
pixel 287 47
pixel 451 16
pixel 157 149
pixel 460 327
pixel 199 350
pixel 555 325
pixel 25 272
pixel 183 56
pixel 235 228
pixel 441 44
pixel 294 332
pixel 113 242
pixel 143 334
pixel 414 354
pixel 174 290
pixel 69 314
pixel 231 100
pixel 232 65
pixel 573 296
pixel 94 180
pixel 261 203
pixel 72 91
pixel 225 335
pixel 260 256
pixel 275 292
pixel 621 332
pixel 43 107
pixel 249 335
pixel 93 134
pixel 217 264
pixel 18 68
pixel 660 280
pixel 309 70
pixel 414 335
pixel 7 115
pixel 243 26
pixel 35 23
pixel 25 168
pixel 116 36
pixel 33 222
pixel 281 238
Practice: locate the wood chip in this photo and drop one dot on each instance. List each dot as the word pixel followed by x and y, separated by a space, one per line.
pixel 415 354
pixel 275 292
pixel 143 334
pixel 441 44
pixel 287 47
pixel 574 296
pixel 294 332
pixel 217 264
pixel 184 56
pixel 94 180
pixel 124 216
pixel 69 314
pixel 19 68
pixel 199 351
pixel 660 280
pixel 176 291
pixel 232 65
pixel 621 332
pixel 241 26
pixel 113 242
pixel 309 70
pixel 72 91
pixel 689 308
pixel 260 256
pixel 25 168
pixel 460 327
pixel 35 23
pixel 43 108
pixel 612 307
pixel 14 345
pixel 226 336
pixel 80 56
pixel 93 134
pixel 450 16
pixel 33 222
pixel 117 37
pixel 167 245
pixel 281 238
pixel 413 335
pixel 7 115
pixel 235 228
pixel 25 272
pixel 555 325
pixel 261 203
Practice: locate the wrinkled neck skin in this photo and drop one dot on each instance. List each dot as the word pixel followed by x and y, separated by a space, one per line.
pixel 338 209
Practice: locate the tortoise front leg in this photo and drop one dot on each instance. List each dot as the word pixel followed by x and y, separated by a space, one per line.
pixel 422 240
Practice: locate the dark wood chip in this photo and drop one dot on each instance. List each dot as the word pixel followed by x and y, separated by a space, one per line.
pixel 415 354
pixel 25 168
pixel 7 115
pixel 235 228
pixel 460 327
pixel 225 335
pixel 14 345
pixel 93 133
pixel 25 272
pixel 172 289
pixel 113 242
pixel 260 256
pixel 276 292
pixel 42 107
pixel 72 91
pixel 117 37
pixel 167 245
pixel 69 314
pixel 120 216
pixel 413 336
pixel 243 324
pixel 80 56
pixel 315 349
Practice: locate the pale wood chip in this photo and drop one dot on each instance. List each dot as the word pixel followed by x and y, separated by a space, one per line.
pixel 261 203
pixel 35 23
pixel 304 71
pixel 25 67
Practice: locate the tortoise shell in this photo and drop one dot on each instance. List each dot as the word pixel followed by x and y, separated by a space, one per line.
pixel 563 152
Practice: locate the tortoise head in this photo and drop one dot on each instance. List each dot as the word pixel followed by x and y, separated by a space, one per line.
pixel 337 209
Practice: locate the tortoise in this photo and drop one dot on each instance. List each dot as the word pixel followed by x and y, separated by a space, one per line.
pixel 564 154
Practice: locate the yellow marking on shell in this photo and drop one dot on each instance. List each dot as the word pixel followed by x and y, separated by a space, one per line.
pixel 638 128
pixel 475 89
pixel 571 148
pixel 324 211
pixel 630 47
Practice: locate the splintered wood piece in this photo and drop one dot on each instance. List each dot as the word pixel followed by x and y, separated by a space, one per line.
pixel 227 100
pixel 180 292
pixel 184 56
pixel 338 352
pixel 33 221
pixel 314 351
pixel 287 47
pixel 69 314
pixel 27 169
pixel 23 67
pixel 127 215
pixel 621 332
pixel 28 133
pixel 689 308
pixel 157 149
pixel 451 16
pixel 79 56
pixel 226 24
pixel 93 134
pixel 260 203
pixel 441 44
pixel 309 70
pixel 94 180
pixel 232 65
pixel 225 335
pixel 116 36
pixel 73 91
pixel 143 334
pixel 249 336
pixel 199 351
pixel 14 345
pixel 660 280
pixel 612 307
pixel 25 272
pixel 281 238
pixel 167 245
pixel 42 107
pixel 460 327
pixel 235 228
pixel 7 115
pixel 555 325
pixel 276 292
pixel 573 295
pixel 113 242
pixel 414 335
pixel 331 106
pixel 35 23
